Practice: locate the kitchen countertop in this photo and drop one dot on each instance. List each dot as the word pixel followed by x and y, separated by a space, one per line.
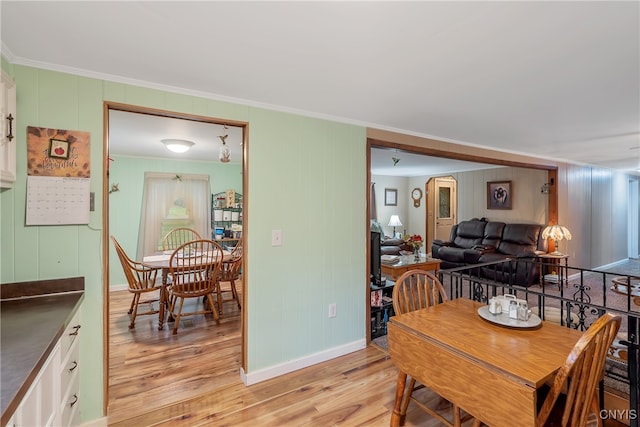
pixel 33 316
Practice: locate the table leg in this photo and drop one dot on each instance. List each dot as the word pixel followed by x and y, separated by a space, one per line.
pixel 396 419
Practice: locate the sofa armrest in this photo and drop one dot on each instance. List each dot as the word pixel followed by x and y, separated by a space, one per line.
pixel 439 242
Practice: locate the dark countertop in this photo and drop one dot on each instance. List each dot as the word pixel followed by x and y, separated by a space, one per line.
pixel 31 323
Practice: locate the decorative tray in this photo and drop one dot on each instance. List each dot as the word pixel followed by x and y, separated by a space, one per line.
pixel 503 319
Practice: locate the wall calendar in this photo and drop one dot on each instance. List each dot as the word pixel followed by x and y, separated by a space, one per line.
pixel 57 200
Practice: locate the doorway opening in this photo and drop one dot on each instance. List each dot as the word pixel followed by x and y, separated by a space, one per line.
pixel 403 149
pixel 128 218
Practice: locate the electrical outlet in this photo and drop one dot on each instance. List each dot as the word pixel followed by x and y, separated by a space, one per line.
pixel 332 310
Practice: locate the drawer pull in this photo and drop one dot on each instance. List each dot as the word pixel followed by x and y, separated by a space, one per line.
pixel 74 366
pixel 76 330
pixel 75 400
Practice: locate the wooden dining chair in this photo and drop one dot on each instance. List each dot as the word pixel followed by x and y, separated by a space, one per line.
pixel 229 273
pixel 572 399
pixel 141 280
pixel 414 290
pixel 194 268
pixel 237 249
pixel 179 236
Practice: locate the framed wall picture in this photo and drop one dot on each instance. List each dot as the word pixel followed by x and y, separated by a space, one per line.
pixel 390 197
pixel 499 195
pixel 58 149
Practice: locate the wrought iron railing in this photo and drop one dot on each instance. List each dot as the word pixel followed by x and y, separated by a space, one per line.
pixel 577 295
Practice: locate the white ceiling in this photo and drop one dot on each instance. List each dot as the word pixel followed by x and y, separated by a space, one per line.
pixel 140 135
pixel 549 79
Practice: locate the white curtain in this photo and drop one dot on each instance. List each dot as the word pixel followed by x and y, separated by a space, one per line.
pixel 170 201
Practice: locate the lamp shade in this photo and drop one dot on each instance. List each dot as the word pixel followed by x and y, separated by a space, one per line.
pixel 177 145
pixel 394 221
pixel 556 233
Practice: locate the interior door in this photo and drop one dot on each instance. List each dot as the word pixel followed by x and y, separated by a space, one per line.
pixel 442 208
pixel 445 207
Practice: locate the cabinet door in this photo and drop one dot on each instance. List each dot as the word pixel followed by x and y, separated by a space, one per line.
pixel 39 406
pixel 7 131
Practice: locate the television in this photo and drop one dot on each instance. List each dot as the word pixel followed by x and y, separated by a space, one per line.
pixel 375 274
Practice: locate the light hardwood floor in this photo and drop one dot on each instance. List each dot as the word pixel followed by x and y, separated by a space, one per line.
pixel 192 379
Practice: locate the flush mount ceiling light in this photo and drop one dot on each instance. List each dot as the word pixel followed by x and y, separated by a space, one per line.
pixel 177 145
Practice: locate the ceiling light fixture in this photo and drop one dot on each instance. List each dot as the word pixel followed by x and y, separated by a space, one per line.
pixel 225 154
pixel 177 145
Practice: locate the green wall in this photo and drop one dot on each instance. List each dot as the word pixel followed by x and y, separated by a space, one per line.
pixel 306 177
pixel 125 205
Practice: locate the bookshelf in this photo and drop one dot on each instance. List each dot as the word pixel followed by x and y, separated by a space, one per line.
pixel 226 216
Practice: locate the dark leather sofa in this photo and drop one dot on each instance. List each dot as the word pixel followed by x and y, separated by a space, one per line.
pixel 480 241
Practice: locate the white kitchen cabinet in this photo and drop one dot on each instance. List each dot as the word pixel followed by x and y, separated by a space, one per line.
pixel 7 131
pixel 69 401
pixel 53 398
pixel 37 407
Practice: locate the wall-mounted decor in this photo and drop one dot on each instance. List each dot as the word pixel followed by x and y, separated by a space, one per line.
pixel 58 152
pixel 58 149
pixel 390 197
pixel 499 195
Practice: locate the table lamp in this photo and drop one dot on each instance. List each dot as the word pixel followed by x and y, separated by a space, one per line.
pixel 394 222
pixel 556 233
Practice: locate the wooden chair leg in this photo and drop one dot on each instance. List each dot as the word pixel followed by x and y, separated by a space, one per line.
pixel 133 302
pixel 214 311
pixel 134 310
pixel 235 293
pixel 219 297
pixel 177 319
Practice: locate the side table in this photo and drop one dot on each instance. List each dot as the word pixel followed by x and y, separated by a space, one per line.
pixel 553 261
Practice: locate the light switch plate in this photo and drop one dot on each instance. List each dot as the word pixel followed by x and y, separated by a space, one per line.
pixel 276 237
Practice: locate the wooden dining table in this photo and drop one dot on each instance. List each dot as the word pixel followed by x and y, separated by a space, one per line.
pixel 490 371
pixel 162 260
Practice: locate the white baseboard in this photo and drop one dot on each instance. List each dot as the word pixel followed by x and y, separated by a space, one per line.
pixel 303 362
pixel 122 287
pixel 98 422
pixel 611 265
